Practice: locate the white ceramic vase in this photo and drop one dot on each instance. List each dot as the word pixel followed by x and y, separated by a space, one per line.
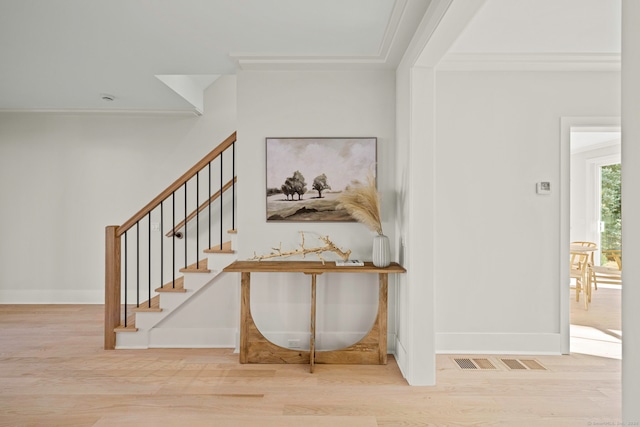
pixel 381 251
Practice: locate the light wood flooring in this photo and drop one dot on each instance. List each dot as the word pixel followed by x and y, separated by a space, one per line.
pixel 54 372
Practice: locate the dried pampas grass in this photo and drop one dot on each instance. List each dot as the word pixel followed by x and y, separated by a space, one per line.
pixel 362 201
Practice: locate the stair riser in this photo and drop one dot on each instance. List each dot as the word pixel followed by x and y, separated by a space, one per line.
pixel 132 340
pixel 169 301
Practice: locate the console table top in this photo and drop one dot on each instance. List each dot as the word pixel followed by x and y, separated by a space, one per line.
pixel 308 267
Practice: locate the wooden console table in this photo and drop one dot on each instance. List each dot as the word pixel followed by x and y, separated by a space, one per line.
pixel 255 348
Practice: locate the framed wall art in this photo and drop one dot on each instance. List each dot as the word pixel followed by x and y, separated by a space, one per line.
pixel 306 175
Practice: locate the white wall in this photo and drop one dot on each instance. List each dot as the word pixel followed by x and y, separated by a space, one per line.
pixel 630 210
pixel 312 104
pixel 65 176
pixel 498 252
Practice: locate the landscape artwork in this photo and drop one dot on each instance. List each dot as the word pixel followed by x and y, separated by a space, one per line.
pixel 306 175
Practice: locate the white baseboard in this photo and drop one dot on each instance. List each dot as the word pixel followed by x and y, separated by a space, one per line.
pixel 400 354
pixel 177 338
pixel 469 343
pixel 53 296
pixel 192 338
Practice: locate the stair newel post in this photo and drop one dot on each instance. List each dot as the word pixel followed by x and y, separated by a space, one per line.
pixel 112 287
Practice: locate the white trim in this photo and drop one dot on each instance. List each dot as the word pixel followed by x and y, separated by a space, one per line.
pixel 497 343
pixel 247 61
pixel 568 124
pixel 192 338
pixel 400 353
pixel 390 33
pixel 454 16
pixel 531 62
pixel 597 146
pixel 385 57
pixel 102 111
pixel 308 63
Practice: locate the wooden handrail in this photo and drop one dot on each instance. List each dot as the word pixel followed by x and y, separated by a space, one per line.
pixel 176 185
pixel 202 207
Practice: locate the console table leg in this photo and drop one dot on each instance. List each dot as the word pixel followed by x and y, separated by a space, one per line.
pixel 245 314
pixel 382 318
pixel 312 340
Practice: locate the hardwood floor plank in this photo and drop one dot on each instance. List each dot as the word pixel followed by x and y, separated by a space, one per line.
pixel 208 420
pixel 54 372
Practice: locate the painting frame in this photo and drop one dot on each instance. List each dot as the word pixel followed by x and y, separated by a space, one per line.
pixel 304 176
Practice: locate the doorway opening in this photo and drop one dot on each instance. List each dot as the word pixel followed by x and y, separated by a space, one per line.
pixel 595 206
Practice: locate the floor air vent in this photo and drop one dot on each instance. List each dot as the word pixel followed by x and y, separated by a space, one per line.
pixel 474 364
pixel 532 364
pixel 513 364
pixel 523 364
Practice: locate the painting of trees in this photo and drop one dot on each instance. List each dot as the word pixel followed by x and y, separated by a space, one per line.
pixel 294 185
pixel 320 184
pixel 329 164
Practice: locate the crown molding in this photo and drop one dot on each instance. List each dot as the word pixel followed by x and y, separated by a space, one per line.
pixel 105 111
pixel 531 62
pixel 381 59
pixel 307 63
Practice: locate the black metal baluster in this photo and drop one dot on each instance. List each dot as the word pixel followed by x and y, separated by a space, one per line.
pixel 209 205
pixel 173 239
pixel 185 225
pixel 198 220
pixel 221 185
pixel 125 278
pixel 161 245
pixel 138 264
pixel 149 260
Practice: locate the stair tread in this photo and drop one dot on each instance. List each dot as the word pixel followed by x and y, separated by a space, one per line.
pixel 202 267
pixel 129 328
pixel 225 248
pixel 145 307
pixel 131 325
pixel 169 286
pixel 232 231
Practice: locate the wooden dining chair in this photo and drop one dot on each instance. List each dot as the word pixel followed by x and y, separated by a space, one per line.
pixel 592 245
pixel 605 273
pixel 601 274
pixel 613 255
pixel 579 269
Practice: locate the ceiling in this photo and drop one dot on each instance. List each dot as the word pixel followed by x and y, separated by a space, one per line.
pixel 72 54
pixel 543 26
pixel 65 54
pixel 593 138
pixel 509 32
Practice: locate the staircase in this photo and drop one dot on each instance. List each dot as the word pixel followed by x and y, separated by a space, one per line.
pixel 144 329
pixel 171 243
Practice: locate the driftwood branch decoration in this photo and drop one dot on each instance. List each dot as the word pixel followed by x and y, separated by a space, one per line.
pixel 302 250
